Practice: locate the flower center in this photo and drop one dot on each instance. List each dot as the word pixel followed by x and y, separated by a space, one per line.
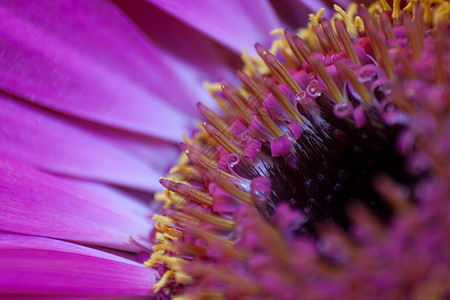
pixel 323 123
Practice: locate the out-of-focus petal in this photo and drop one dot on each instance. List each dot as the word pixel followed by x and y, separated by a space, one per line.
pixel 85 58
pixel 195 56
pixel 39 204
pixel 41 266
pixel 63 145
pixel 236 24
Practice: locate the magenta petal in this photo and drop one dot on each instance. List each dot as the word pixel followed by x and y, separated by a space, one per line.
pixel 61 145
pixel 40 266
pixel 39 204
pixel 85 58
pixel 236 24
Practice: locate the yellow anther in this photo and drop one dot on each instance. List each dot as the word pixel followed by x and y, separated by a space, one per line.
pixel 348 21
pixel 163 281
pixel 441 13
pixel 183 278
pixel 359 24
pixel 177 199
pixel 385 5
pixel 253 65
pixel 163 224
pixel 213 89
pixel 375 8
pixel 396 9
pixel 315 18
pixel 411 7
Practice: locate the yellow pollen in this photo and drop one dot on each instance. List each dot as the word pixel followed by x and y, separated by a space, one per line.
pixel 346 40
pixel 348 21
pixel 213 89
pixel 253 65
pixel 163 281
pixel 315 18
pixel 396 9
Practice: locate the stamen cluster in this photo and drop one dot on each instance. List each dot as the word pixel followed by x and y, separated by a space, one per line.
pixel 326 175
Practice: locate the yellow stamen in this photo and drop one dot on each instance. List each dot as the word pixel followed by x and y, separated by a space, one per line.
pixel 210 218
pixel 348 21
pixel 381 52
pixel 237 103
pixel 221 139
pixel 346 40
pixel 233 190
pixel 282 100
pixel 213 89
pixel 320 70
pixel 396 10
pixel 188 191
pixel 163 281
pixel 254 89
pixel 414 30
pixel 216 121
pixel 199 161
pixel 280 44
pixel 331 36
pixel 277 67
pixel 265 119
pixel 321 38
pixel 358 86
pixel 386 26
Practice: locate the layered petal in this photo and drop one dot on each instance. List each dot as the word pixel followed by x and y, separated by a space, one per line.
pixel 63 145
pixel 234 23
pixel 86 59
pixel 41 266
pixel 40 204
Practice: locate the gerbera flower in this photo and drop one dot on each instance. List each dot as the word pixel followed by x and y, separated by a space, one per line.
pixel 325 176
pixel 94 96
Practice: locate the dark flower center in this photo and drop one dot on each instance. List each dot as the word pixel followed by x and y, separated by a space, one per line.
pixel 335 167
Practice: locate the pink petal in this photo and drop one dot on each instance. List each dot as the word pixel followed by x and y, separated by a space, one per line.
pixel 62 145
pixel 196 57
pixel 39 204
pixel 40 266
pixel 236 24
pixel 85 58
